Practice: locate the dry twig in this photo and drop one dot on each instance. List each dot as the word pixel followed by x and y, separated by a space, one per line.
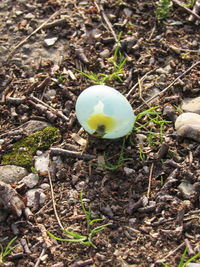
pixel 150 180
pixel 170 85
pixel 73 154
pixel 28 37
pixel 53 201
pixel 105 18
pixel 186 9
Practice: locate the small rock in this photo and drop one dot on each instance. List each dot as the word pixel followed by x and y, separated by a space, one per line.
pixel 128 171
pixel 29 16
pixel 42 163
pixel 193 265
pixel 31 180
pixel 34 126
pixel 50 41
pixel 11 174
pixel 188 125
pixel 105 53
pixel 107 211
pixel 192 105
pixel 45 186
pixel 186 189
pixel 31 197
pixel 127 11
pixel 165 70
pixel 50 94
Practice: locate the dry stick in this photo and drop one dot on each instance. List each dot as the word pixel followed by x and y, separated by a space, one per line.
pixel 53 201
pixel 186 9
pixel 73 154
pixel 150 180
pixel 190 249
pixel 141 80
pixel 173 252
pixel 35 31
pixel 167 88
pixel 103 14
pixel 59 113
pixel 39 259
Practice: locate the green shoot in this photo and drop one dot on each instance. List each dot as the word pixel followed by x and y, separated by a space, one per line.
pixel 120 161
pixel 163 10
pixel 183 262
pixel 189 3
pixel 117 65
pixel 7 250
pixel 151 116
pixel 83 239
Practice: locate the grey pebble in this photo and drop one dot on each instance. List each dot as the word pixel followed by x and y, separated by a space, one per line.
pixel 11 174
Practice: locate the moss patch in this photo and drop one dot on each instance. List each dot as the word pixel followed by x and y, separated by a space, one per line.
pixel 24 150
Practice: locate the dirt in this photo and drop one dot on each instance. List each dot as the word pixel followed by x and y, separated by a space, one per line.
pixel 151 218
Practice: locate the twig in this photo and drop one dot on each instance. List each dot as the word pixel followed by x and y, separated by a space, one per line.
pixel 82 263
pixel 53 201
pixel 39 259
pixel 150 180
pixel 172 252
pixel 141 80
pixel 35 31
pixel 167 88
pixel 73 154
pixel 104 16
pixel 58 22
pixel 188 245
pixel 58 113
pixel 186 9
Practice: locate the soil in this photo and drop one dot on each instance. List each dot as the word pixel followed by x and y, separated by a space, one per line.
pixel 138 188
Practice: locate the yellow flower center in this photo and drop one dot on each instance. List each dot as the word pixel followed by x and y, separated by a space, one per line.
pixel 100 122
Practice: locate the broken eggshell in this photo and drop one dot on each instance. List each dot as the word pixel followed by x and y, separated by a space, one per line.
pixel 103 111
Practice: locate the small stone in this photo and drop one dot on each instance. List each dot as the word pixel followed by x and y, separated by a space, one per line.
pixel 34 126
pixel 50 41
pixel 11 174
pixel 31 197
pixel 127 11
pixel 105 53
pixel 45 186
pixel 107 211
pixel 186 189
pixel 188 125
pixel 128 171
pixel 165 70
pixel 31 180
pixel 29 16
pixel 193 265
pixel 2 141
pixel 192 105
pixel 50 94
pixel 42 163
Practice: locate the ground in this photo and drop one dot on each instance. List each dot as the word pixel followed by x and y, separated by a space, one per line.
pixel 137 189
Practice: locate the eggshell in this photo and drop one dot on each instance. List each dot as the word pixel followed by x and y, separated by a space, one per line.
pixel 114 104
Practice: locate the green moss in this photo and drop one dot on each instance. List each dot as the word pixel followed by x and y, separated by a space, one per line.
pixel 24 150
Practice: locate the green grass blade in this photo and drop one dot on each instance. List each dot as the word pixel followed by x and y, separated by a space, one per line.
pixel 191 259
pixel 75 240
pixel 8 248
pixel 74 234
pixel 183 257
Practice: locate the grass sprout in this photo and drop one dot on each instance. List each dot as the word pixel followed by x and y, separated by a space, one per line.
pixel 163 10
pixel 4 252
pixel 87 239
pixel 183 262
pixel 151 116
pixel 150 123
pixel 120 161
pixel 117 68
